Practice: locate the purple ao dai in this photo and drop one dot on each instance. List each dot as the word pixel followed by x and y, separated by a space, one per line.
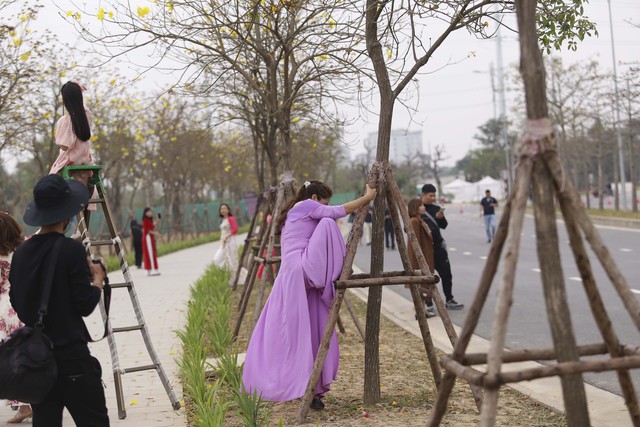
pixel 285 341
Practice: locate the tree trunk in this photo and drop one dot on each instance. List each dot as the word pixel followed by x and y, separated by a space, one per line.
pixel 533 75
pixel 600 179
pixel 616 178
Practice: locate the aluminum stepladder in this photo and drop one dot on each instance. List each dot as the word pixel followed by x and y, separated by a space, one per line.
pixel 115 241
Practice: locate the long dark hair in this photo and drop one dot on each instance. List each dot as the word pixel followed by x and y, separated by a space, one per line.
pixel 74 104
pixel 144 213
pixel 320 189
pixel 220 209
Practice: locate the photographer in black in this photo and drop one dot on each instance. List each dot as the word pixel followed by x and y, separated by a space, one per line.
pixel 75 292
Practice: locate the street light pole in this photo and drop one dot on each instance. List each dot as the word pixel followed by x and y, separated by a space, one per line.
pixel 623 180
pixel 503 112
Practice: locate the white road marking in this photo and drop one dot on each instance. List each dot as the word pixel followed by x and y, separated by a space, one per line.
pixel 575 278
pixel 533 236
pixel 452 249
pixel 466 253
pixel 537 270
pixel 635 291
pixel 483 257
pixel 626 250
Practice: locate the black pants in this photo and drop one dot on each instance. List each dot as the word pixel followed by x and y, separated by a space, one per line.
pixel 137 248
pixel 389 236
pixel 441 258
pixel 79 389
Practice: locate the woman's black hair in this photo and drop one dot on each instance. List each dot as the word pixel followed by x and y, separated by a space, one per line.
pixel 144 212
pixel 220 208
pixel 74 104
pixel 320 189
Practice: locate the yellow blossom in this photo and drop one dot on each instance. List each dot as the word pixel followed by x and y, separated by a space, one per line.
pixel 25 56
pixel 112 82
pixel 94 138
pixel 69 13
pixel 170 6
pixel 110 14
pixel 17 42
pixel 227 169
pixel 332 24
pixel 143 11
pixel 77 16
pixel 100 14
pixel 134 402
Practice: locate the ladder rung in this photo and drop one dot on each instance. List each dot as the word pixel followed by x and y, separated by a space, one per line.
pixel 128 328
pixel 96 201
pixel 273 260
pixel 102 242
pixel 120 285
pixel 139 368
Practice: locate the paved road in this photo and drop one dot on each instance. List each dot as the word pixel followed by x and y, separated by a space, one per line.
pixel 528 326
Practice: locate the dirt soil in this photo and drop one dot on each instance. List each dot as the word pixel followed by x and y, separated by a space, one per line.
pixel 407 387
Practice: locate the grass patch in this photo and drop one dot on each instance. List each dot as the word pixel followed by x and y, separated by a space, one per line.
pixel 212 400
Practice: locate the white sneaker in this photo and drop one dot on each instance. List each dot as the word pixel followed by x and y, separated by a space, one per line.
pixel 154 273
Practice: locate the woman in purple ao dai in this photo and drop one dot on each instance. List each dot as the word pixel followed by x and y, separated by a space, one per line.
pixel 285 340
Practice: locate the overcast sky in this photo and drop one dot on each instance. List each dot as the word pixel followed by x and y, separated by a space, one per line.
pixel 455 100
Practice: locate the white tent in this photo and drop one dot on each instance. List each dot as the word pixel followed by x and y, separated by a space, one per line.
pixel 462 191
pixel 488 183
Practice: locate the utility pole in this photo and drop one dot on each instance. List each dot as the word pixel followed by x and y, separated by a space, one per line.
pixel 503 112
pixel 623 180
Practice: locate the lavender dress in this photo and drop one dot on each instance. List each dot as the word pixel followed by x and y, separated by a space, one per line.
pixel 285 341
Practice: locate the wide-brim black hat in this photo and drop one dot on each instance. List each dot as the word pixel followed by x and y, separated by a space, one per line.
pixel 55 199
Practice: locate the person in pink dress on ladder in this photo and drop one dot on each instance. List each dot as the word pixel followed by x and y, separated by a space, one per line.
pixel 285 341
pixel 149 234
pixel 73 136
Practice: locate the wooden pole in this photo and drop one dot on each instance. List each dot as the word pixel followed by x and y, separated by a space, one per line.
pixel 246 248
pixel 505 292
pixel 418 303
pixel 473 315
pixel 354 316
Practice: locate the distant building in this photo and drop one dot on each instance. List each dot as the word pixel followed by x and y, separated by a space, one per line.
pixel 403 145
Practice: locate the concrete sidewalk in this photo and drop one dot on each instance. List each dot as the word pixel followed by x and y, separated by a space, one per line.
pixel 164 304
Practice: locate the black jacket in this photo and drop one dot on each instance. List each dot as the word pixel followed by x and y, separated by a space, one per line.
pixel 441 223
pixel 72 296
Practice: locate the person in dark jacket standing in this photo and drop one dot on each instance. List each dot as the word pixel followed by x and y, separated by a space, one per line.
pixel 75 292
pixel 136 240
pixel 434 218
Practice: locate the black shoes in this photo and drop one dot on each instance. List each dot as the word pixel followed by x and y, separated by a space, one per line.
pixel 317 404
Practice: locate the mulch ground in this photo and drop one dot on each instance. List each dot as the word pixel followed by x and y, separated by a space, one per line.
pixel 407 387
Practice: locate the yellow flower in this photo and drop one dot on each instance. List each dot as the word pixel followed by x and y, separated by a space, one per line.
pixel 69 13
pixel 332 24
pixel 77 16
pixel 170 6
pixel 110 14
pixel 17 42
pixel 389 53
pixel 227 169
pixel 143 11
pixel 100 14
pixel 112 82
pixel 25 56
pixel 134 402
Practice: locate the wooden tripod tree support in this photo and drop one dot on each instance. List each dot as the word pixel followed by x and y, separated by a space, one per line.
pixel 378 175
pixel 540 166
pixel 248 242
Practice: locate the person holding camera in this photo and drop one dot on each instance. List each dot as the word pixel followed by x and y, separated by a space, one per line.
pixel 75 292
pixel 149 234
